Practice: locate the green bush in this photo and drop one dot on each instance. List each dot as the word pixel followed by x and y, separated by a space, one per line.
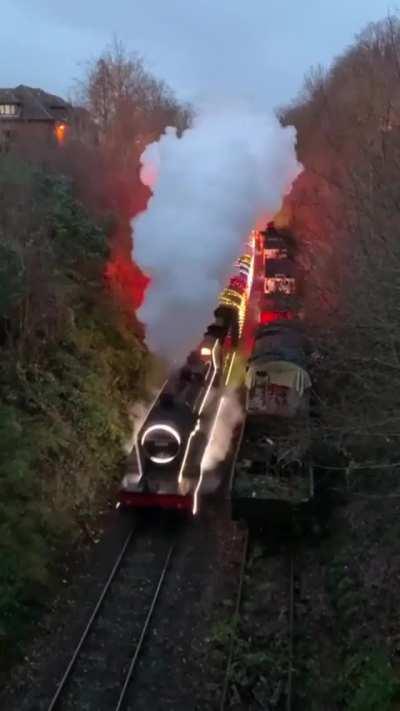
pixel 375 686
pixel 23 547
pixel 69 369
pixel 11 278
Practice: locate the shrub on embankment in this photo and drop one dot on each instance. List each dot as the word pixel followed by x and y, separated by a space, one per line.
pixel 70 366
pixel 344 210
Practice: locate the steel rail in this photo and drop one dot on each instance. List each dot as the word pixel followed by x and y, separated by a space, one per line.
pixel 235 621
pixel 145 627
pixel 93 616
pixel 289 694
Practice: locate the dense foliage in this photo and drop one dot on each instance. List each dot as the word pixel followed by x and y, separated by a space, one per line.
pixel 70 366
pixel 345 210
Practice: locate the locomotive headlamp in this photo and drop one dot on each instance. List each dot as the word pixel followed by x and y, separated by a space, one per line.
pixel 161 442
pixel 164 428
pixel 205 351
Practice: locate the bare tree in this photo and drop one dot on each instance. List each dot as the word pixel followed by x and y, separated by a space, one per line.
pixel 345 210
pixel 130 106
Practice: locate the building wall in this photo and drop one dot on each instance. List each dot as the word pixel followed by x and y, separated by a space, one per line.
pixel 28 137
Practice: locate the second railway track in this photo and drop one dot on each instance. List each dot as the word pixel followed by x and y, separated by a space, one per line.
pixel 282 583
pixel 102 667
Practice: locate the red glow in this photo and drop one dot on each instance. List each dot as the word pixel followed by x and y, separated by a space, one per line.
pixel 269 316
pixel 126 197
pixel 127 281
pixel 238 284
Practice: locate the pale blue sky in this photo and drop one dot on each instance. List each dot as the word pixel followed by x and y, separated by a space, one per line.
pixel 262 47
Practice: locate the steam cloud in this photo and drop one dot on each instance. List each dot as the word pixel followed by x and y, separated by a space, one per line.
pixel 230 415
pixel 210 187
pixel 137 415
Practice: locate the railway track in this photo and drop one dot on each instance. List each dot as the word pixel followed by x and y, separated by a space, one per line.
pixel 225 687
pixel 291 617
pixel 285 579
pixel 104 661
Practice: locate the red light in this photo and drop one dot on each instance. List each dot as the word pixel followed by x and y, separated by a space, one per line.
pixel 269 316
pixel 238 284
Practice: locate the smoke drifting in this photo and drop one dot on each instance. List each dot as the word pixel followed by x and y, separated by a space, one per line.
pixel 209 189
pixel 137 416
pixel 229 416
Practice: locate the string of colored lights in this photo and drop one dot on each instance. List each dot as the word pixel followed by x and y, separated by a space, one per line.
pixel 236 295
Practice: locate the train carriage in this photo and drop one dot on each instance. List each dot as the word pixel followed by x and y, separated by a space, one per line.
pixel 273 477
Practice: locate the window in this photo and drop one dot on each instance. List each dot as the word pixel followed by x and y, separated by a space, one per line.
pixel 8 109
pixel 60 131
pixel 275 253
pixel 280 284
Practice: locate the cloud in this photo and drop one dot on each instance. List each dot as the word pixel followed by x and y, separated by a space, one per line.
pixel 194 46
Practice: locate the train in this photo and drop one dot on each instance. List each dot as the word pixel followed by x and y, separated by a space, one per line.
pixel 282 297
pixel 166 466
pixel 272 478
pixel 271 473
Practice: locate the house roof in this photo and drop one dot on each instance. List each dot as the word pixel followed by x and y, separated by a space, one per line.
pixel 8 96
pixel 36 104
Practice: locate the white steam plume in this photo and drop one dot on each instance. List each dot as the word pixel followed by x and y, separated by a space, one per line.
pixel 209 189
pixel 229 415
pixel 137 415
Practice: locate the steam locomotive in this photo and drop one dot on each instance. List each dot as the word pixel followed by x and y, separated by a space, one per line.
pixel 165 467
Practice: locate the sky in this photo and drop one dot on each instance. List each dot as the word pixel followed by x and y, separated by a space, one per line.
pixel 266 46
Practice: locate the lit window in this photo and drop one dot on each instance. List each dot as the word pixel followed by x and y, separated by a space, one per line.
pixel 60 130
pixel 275 253
pixel 280 284
pixel 8 109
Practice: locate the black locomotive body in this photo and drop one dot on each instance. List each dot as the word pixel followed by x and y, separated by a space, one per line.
pixel 164 469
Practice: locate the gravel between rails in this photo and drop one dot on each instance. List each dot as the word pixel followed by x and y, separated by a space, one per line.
pixel 285 654
pixel 317 654
pixel 98 676
pixel 262 673
pixel 34 683
pixel 49 653
pixel 174 667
